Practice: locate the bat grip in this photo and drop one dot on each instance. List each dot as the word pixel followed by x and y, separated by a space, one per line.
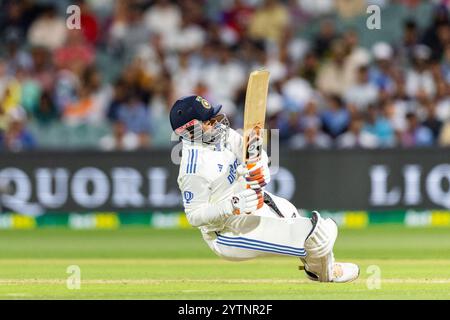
pixel 250 165
pixel 259 192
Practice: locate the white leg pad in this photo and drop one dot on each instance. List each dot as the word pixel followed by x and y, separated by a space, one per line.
pixel 319 261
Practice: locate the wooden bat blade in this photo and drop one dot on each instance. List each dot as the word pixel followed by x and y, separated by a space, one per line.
pixel 254 115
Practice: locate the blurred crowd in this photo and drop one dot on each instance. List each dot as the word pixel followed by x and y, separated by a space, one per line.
pixel 131 59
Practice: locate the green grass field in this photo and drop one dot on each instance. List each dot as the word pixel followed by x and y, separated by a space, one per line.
pixel 138 263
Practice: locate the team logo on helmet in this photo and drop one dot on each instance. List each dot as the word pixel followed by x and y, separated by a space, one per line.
pixel 204 102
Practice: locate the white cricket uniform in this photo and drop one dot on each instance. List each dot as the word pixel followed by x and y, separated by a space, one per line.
pixel 208 176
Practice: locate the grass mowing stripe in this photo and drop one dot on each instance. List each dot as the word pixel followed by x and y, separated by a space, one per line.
pixel 215 281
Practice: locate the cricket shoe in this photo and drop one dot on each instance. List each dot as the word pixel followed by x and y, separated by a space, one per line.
pixel 345 272
pixel 342 272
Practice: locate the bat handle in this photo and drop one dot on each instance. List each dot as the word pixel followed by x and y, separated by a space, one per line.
pixel 259 192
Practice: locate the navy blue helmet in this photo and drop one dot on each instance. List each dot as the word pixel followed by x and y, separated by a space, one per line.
pixel 191 108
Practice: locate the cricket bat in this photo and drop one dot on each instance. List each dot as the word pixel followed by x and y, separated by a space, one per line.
pixel 254 116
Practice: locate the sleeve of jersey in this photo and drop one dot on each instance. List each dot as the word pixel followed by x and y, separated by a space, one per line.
pixel 235 141
pixel 199 211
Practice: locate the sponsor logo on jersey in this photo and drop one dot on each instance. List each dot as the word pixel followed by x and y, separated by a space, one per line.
pixel 233 172
pixel 220 166
pixel 188 196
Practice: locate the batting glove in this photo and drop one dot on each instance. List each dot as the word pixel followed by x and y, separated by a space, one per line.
pixel 256 176
pixel 246 201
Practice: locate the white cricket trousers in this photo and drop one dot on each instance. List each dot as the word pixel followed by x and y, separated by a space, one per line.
pixel 262 234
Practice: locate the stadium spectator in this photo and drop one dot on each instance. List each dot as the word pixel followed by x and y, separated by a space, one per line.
pixel 445 64
pixel 363 93
pixel 272 62
pixel 324 39
pixel 11 97
pixel 277 116
pixel 17 137
pixel 309 117
pixel 117 28
pixel 190 36
pixel 224 77
pixel 76 54
pixel 17 17
pixel 79 111
pixel 186 75
pixel 395 113
pixel 317 7
pixel 118 98
pixel 431 121
pixel 91 101
pixel 4 77
pixel 357 55
pixel 136 118
pixel 409 41
pixel 381 73
pixel 89 22
pixel 43 70
pixel 419 80
pixel 30 90
pixel 45 112
pixel 163 18
pixel 437 31
pixel 416 134
pixel 336 117
pixel 355 137
pixel 269 22
pixel 120 140
pixel 312 138
pixel 334 75
pixel 378 125
pixel 350 8
pixel 309 68
pixel 237 18
pixel 16 57
pixel 160 104
pixel 48 30
pixel 442 101
pixel 296 92
pixel 128 29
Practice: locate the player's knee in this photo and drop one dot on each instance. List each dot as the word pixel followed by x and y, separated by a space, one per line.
pixel 321 240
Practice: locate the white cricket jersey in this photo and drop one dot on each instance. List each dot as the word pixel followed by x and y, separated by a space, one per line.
pixel 207 176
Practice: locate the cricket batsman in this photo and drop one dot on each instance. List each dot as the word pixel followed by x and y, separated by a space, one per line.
pixel 226 200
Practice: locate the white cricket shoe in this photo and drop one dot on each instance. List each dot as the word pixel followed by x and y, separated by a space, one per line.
pixel 342 272
pixel 345 272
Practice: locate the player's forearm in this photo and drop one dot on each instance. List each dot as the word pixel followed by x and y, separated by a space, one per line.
pixel 245 201
pixel 208 214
